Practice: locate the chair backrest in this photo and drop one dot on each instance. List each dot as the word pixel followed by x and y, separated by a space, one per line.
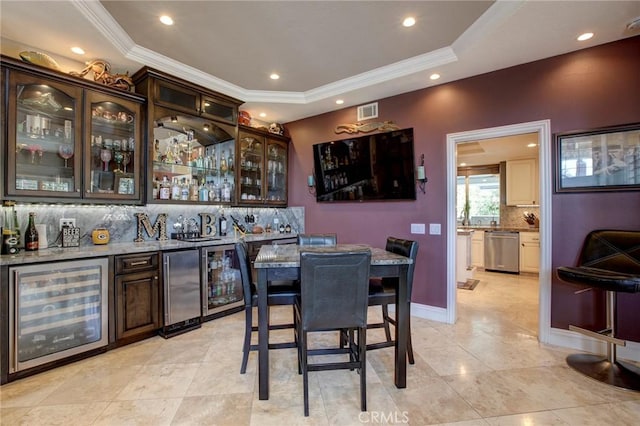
pixel 407 248
pixel 317 239
pixel 334 289
pixel 248 287
pixel 612 250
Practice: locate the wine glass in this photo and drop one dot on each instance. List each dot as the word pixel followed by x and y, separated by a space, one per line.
pixel 66 152
pixel 105 156
pixel 33 149
pixel 126 159
pixel 117 156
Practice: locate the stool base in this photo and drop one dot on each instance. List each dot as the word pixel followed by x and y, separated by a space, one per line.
pixel 619 374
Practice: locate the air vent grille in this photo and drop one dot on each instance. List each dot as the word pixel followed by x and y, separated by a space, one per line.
pixel 366 112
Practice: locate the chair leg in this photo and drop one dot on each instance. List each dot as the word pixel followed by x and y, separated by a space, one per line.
pixel 246 346
pixel 386 321
pixel 305 372
pixel 362 357
pixel 409 344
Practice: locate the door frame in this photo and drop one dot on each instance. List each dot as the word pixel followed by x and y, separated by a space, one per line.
pixel 543 129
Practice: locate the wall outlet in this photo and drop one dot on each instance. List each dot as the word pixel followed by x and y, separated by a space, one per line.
pixel 417 228
pixel 70 222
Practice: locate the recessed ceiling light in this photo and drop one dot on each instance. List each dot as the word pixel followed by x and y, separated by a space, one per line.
pixel 274 76
pixel 409 21
pixel 585 36
pixel 263 114
pixel 434 76
pixel 532 145
pixel 167 20
pixel 77 50
pixel 463 164
pixel 339 101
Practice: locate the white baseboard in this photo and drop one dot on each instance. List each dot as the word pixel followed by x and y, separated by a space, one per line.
pixel 428 312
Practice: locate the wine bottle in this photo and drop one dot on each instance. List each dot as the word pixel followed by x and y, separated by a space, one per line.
pixel 31 234
pixel 16 226
pixel 223 225
pixel 238 224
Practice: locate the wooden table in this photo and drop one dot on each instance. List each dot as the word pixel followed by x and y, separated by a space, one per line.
pixel 282 262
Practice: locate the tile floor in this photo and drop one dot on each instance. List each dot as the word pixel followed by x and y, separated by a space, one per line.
pixel 487 369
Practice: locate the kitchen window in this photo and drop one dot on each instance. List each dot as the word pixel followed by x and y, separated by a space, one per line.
pixel 479 189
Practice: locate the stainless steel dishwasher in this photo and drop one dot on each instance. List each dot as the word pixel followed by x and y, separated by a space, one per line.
pixel 502 251
pixel 182 306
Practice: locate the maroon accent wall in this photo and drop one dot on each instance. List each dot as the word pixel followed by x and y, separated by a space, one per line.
pixel 586 89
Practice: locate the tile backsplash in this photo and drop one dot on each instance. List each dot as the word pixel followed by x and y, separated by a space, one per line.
pixel 122 223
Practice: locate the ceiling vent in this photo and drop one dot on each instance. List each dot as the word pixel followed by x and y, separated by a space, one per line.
pixel 366 112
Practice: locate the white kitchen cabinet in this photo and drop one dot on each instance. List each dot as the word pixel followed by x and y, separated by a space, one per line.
pixel 477 249
pixel 522 182
pixel 464 269
pixel 530 252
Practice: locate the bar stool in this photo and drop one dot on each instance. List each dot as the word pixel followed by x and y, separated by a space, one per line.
pixel 610 261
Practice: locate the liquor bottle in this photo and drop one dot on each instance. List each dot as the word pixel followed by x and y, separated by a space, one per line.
pixel 223 224
pixel 223 162
pixel 203 192
pixel 230 162
pixel 16 226
pixel 31 234
pixel 193 190
pixel 226 191
pixel 238 225
pixel 165 188
pixel 276 221
pixel 184 190
pixel 175 189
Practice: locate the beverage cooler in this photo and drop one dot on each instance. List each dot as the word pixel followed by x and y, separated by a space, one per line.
pixel 222 286
pixel 56 310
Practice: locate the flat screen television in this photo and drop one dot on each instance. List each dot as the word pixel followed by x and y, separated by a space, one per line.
pixel 374 167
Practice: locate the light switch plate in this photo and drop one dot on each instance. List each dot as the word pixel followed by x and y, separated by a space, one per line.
pixel 417 228
pixel 435 229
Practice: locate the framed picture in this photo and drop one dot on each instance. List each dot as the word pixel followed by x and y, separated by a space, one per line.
pixel 606 159
pixel 124 183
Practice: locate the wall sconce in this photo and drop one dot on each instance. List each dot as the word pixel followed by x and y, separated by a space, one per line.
pixel 421 178
pixel 311 184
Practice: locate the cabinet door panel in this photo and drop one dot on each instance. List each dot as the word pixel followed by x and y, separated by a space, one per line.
pixel 137 303
pixel 43 137
pixel 112 148
pixel 277 171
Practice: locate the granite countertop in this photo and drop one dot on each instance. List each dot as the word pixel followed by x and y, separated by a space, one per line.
pixel 115 248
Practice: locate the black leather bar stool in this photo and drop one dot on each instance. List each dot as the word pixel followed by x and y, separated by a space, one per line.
pixel 317 239
pixel 281 294
pixel 333 296
pixel 610 261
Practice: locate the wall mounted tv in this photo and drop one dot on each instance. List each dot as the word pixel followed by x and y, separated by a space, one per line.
pixel 366 168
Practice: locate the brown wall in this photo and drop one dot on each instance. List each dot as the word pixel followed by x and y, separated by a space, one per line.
pixel 586 89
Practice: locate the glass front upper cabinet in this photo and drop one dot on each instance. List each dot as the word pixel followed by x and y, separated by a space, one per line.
pixel 113 142
pixel 193 160
pixel 277 171
pixel 250 174
pixel 43 138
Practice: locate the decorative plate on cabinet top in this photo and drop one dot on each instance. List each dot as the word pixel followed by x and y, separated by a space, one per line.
pixel 42 59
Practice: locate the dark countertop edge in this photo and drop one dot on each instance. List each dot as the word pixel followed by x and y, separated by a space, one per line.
pixel 55 254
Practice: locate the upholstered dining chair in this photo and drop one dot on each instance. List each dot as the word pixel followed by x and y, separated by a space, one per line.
pixel 382 291
pixel 333 296
pixel 281 294
pixel 317 239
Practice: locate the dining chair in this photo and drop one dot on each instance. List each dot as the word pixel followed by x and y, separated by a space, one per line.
pixel 317 239
pixel 281 294
pixel 333 296
pixel 382 291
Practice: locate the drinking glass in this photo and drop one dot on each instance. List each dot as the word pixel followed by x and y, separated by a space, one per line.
pixel 66 152
pixel 105 156
pixel 126 159
pixel 117 156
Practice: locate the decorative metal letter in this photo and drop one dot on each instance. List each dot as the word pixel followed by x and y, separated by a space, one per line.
pixel 207 224
pixel 160 226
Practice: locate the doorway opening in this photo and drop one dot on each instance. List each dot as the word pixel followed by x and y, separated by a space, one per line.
pixel 542 129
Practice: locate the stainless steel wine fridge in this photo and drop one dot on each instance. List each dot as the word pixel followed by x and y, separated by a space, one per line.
pixel 221 284
pixel 56 310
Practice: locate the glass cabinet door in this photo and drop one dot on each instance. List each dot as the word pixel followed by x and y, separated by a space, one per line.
pixel 43 138
pixel 250 188
pixel 276 171
pixel 113 141
pixel 221 280
pixel 192 160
